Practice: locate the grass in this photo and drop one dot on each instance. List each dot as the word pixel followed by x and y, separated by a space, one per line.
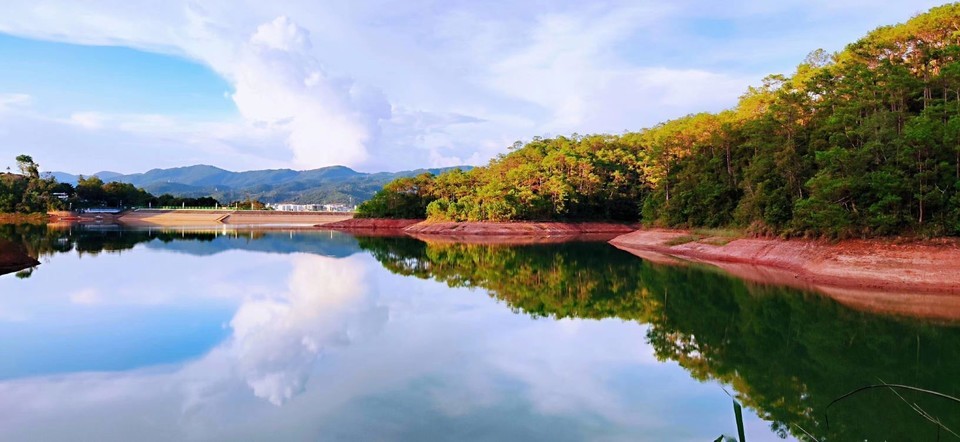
pixel 683 239
pixel 723 233
pixel 715 237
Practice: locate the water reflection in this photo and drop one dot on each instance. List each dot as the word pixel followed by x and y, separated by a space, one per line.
pixel 276 340
pixel 787 354
pixel 314 335
pixel 328 348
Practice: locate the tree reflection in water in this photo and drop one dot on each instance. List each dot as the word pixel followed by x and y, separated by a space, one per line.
pixel 787 354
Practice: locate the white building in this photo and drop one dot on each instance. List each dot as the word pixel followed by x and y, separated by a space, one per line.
pixel 291 207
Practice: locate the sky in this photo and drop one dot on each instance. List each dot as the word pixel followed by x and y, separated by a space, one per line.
pixel 376 85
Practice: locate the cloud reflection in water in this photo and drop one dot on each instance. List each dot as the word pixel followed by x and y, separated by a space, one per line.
pixel 340 349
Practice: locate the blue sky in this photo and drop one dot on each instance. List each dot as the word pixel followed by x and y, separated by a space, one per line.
pixel 380 85
pixel 110 79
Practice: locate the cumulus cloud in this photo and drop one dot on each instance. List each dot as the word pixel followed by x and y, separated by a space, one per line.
pixel 329 120
pixel 378 86
pixel 282 34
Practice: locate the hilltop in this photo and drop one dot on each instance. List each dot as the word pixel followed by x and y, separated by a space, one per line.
pixel 334 184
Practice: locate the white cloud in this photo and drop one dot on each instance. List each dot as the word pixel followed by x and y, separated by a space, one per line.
pixel 85 296
pixel 371 84
pixel 89 141
pixel 13 101
pixel 89 120
pixel 328 120
pixel 282 34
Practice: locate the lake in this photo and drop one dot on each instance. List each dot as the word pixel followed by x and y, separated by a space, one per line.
pixel 315 335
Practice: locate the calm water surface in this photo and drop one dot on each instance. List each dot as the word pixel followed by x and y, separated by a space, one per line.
pixel 225 335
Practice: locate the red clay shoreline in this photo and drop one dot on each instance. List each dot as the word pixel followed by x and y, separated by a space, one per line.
pixel 878 265
pixel 370 224
pixel 509 230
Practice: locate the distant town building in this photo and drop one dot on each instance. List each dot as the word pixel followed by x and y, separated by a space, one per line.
pixel 291 207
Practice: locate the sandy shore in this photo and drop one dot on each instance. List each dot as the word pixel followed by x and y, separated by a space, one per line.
pixel 196 218
pixel 918 279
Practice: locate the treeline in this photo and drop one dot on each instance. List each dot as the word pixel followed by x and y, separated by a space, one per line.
pixel 29 192
pixel 863 142
pixel 93 192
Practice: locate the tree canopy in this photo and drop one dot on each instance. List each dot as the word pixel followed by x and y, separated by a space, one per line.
pixel 29 192
pixel 862 142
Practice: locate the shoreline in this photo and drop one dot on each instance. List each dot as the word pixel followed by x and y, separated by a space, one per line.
pixel 24 218
pixel 219 218
pixel 517 228
pixel 888 276
pixel 932 266
pixel 913 278
pixel 510 231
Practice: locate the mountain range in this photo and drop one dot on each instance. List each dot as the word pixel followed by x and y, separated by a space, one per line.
pixel 334 184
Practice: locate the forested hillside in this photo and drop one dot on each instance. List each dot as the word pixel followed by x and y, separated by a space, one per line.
pixel 863 142
pixel 334 184
pixel 30 193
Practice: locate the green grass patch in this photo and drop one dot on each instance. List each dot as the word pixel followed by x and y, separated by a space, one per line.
pixel 722 233
pixel 718 237
pixel 714 237
pixel 717 241
pixel 683 239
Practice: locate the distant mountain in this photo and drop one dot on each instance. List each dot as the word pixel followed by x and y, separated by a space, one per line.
pixel 334 184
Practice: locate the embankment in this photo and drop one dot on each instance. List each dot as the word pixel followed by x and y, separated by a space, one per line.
pixel 484 232
pixel 371 224
pixel 200 218
pixel 515 228
pixel 912 278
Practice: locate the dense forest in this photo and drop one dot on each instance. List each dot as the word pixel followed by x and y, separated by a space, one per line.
pixel 862 142
pixel 29 192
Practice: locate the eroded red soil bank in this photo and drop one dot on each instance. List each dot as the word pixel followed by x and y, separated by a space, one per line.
pixel 515 228
pixel 486 232
pixel 371 224
pixel 919 279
